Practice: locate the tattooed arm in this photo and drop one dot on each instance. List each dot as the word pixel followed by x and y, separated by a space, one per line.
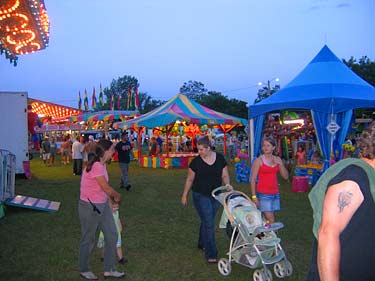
pixel 340 203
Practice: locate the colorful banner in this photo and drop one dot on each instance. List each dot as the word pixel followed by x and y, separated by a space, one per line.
pixel 86 101
pixel 101 99
pixel 136 99
pixel 112 104
pixel 79 101
pixel 93 101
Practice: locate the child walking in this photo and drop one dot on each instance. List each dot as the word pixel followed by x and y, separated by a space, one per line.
pixel 116 217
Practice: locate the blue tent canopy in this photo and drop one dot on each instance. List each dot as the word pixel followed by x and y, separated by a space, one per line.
pixel 325 85
pixel 328 88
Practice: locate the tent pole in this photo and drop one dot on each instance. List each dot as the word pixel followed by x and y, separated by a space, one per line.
pixel 251 144
pixel 167 140
pixel 139 132
pixel 224 138
pixel 225 131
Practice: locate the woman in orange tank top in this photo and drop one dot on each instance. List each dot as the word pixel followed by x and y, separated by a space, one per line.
pixel 264 186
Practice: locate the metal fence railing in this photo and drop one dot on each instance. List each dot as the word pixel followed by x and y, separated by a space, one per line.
pixel 7 175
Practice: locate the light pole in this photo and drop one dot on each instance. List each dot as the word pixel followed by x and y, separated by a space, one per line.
pixel 266 90
pixel 276 79
pixel 259 98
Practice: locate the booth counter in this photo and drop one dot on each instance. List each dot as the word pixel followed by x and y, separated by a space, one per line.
pixel 311 171
pixel 174 160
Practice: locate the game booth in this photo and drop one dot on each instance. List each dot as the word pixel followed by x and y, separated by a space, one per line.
pixel 327 88
pixel 181 117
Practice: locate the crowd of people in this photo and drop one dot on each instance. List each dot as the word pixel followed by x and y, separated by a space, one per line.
pixel 343 200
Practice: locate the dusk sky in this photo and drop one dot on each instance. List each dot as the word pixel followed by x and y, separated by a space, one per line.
pixel 229 45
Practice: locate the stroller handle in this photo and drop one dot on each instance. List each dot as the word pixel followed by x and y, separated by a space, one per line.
pixel 221 194
pixel 220 189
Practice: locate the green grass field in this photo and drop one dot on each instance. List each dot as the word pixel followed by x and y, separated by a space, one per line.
pixel 160 235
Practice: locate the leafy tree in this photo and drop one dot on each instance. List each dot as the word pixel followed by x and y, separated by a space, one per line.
pixel 266 91
pixel 193 89
pixel 217 101
pixel 125 87
pixel 365 68
pixel 147 103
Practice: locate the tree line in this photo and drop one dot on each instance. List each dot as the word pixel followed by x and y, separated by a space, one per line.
pixel 122 86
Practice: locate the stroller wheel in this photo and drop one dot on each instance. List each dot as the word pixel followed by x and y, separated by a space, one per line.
pixel 279 269
pixel 224 267
pixel 268 275
pixel 288 268
pixel 262 275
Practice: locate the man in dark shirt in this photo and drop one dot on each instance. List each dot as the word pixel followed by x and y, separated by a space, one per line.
pixel 123 149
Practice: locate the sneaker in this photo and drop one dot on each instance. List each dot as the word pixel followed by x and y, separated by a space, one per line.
pixel 122 261
pixel 88 275
pixel 128 187
pixel 114 274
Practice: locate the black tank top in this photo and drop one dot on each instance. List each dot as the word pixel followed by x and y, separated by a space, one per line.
pixel 357 240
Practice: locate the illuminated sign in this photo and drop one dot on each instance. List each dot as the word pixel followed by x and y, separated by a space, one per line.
pixel 24 27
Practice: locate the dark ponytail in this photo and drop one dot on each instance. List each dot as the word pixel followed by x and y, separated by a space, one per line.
pixel 94 156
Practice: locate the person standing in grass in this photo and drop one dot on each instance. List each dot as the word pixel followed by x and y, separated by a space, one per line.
pixel 53 151
pixel 46 150
pixel 124 149
pixel 206 172
pixel 264 185
pixel 77 149
pixel 95 212
pixel 65 150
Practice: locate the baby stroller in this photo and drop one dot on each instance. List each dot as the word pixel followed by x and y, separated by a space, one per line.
pixel 253 242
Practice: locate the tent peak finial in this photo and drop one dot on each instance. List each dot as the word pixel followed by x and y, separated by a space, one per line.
pixel 324 55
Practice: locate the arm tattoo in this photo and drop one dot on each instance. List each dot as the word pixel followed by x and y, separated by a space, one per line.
pixel 344 200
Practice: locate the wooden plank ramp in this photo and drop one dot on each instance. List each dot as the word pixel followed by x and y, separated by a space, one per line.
pixel 33 203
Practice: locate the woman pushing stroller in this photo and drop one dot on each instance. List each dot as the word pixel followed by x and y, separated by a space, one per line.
pixel 206 172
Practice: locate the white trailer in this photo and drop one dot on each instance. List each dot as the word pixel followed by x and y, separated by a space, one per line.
pixel 13 127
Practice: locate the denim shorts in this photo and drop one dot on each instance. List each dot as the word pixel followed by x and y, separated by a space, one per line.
pixel 269 202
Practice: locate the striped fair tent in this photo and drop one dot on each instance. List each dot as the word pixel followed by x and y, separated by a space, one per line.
pixel 181 108
pixel 103 116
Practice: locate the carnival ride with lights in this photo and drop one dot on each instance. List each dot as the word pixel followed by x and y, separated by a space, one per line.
pixel 58 121
pixel 24 28
pixel 49 118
